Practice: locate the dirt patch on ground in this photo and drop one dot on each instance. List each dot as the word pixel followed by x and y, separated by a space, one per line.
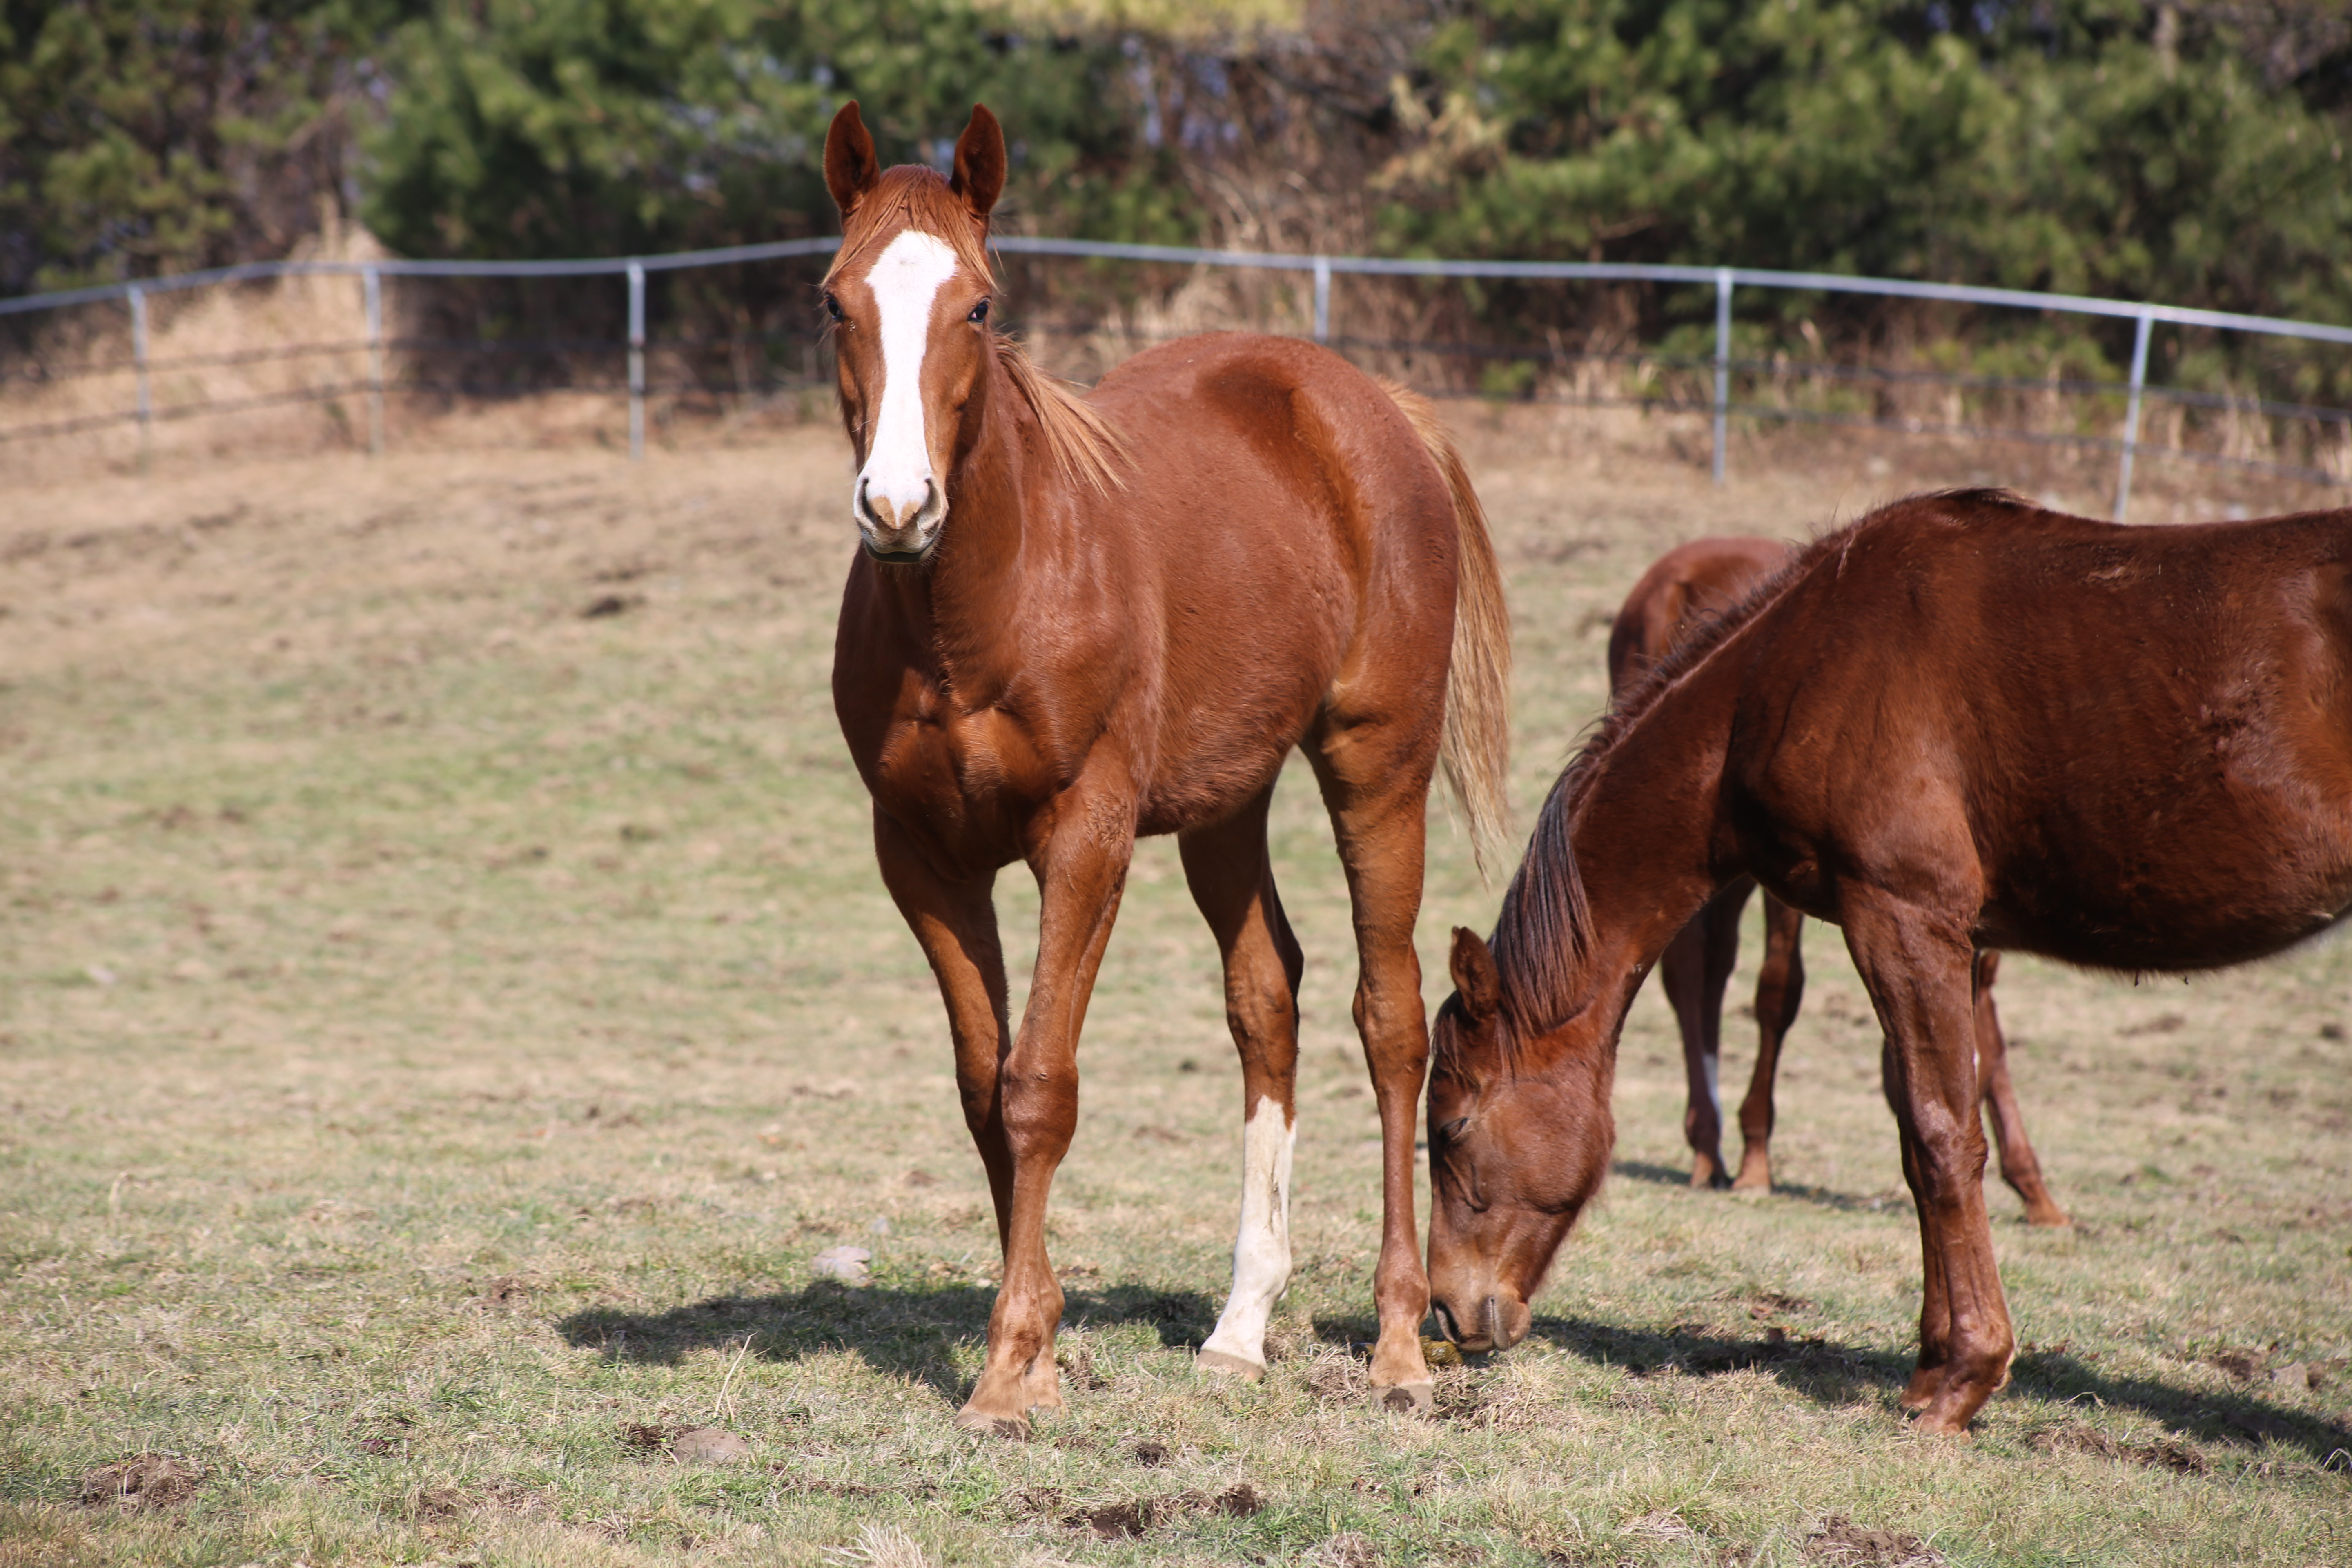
pixel 145 1481
pixel 2164 1452
pixel 1839 1543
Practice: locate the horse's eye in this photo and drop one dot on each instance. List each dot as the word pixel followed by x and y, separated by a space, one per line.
pixel 1452 1130
pixel 979 312
pixel 832 306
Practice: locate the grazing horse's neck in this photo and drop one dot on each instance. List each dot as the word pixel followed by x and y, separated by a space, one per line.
pixel 1642 829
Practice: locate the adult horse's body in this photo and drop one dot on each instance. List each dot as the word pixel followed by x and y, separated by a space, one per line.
pixel 1681 591
pixel 1073 623
pixel 1961 723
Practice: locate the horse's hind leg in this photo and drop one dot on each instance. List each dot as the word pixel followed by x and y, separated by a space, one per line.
pixel 1695 969
pixel 2019 1167
pixel 1376 785
pixel 1780 989
pixel 1234 886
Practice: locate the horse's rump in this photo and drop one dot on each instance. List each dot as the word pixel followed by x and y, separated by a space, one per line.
pixel 1284 512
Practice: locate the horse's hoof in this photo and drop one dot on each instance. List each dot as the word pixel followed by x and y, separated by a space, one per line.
pixel 1921 1391
pixel 1014 1428
pixel 1407 1398
pixel 1227 1363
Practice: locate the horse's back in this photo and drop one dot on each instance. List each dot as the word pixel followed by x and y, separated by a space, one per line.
pixel 2145 732
pixel 1707 576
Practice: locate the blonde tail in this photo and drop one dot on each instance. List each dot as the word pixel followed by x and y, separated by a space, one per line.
pixel 1475 750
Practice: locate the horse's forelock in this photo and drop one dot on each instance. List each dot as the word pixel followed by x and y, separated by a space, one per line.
pixel 912 197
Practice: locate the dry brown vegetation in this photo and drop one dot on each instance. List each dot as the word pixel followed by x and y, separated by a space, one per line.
pixel 448 1005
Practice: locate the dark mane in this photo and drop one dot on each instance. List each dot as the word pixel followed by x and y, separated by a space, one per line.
pixel 1543 934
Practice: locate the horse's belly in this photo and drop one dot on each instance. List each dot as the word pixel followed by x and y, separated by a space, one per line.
pixel 2190 904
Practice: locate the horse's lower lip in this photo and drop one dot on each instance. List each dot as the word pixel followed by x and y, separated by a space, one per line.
pixel 896 557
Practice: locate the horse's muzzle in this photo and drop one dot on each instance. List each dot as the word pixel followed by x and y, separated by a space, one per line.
pixel 1500 1324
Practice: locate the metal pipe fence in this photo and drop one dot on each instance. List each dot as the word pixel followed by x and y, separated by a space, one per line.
pixel 1321 269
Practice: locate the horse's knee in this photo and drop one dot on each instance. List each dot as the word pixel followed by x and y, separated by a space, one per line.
pixel 1039 1110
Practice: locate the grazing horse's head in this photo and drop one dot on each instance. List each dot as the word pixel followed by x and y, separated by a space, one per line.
pixel 909 294
pixel 1519 1134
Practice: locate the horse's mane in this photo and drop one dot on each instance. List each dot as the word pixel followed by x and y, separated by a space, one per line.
pixel 1544 932
pixel 1082 444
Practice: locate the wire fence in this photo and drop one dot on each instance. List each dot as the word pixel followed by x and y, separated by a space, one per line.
pixel 1686 383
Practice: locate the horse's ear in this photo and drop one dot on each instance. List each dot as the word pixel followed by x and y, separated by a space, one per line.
pixel 1474 978
pixel 850 166
pixel 979 163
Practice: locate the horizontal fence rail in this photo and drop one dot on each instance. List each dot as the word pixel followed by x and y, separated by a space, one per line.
pixel 1724 280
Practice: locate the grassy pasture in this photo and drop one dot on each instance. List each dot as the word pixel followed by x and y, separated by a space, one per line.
pixel 440 1024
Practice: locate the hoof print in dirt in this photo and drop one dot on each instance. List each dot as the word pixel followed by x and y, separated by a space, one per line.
pixel 708 1445
pixel 149 1480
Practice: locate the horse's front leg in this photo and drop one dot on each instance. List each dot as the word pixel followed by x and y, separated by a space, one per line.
pixel 1080 860
pixel 1918 967
pixel 954 919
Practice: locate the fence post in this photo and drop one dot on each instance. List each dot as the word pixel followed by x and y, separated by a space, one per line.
pixel 138 298
pixel 1322 299
pixel 2131 419
pixel 1722 363
pixel 373 282
pixel 636 361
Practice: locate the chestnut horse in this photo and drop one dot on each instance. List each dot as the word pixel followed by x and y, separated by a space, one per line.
pixel 1681 590
pixel 1962 723
pixel 1075 622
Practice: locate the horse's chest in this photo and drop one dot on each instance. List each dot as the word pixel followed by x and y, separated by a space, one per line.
pixel 960 775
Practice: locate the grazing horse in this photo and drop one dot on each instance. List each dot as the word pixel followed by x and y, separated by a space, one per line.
pixel 1075 622
pixel 1682 588
pixel 1962 723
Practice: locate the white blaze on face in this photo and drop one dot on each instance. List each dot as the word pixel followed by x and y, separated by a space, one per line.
pixel 897 486
pixel 1262 1247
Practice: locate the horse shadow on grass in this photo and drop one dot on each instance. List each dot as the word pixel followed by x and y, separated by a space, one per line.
pixel 1820 1197
pixel 905 1330
pixel 1835 1375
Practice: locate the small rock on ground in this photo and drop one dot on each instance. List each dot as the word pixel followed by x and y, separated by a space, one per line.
pixel 846 1264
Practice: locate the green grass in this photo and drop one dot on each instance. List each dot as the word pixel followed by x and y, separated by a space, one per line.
pixel 437 1029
